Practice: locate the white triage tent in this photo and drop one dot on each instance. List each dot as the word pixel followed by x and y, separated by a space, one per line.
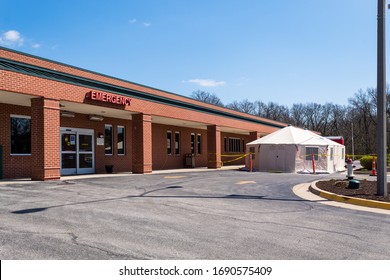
pixel 294 150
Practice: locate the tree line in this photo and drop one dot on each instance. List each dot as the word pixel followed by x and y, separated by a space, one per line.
pixel 356 121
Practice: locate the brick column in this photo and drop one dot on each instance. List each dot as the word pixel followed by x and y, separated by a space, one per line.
pixel 142 143
pixel 254 135
pixel 45 139
pixel 213 146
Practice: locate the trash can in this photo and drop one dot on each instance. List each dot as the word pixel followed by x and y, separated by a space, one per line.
pixel 189 161
pixel 354 184
pixel 109 168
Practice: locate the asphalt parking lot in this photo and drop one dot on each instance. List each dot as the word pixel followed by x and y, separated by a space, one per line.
pixel 196 215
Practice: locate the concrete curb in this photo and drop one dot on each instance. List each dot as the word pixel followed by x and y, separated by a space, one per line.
pixel 347 199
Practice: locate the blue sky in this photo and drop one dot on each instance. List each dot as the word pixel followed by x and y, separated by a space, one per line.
pixel 284 51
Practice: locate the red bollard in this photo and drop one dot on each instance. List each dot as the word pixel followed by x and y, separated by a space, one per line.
pixel 312 161
pixel 373 170
pixel 250 163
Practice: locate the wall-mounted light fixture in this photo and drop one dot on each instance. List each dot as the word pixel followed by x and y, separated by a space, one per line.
pixel 67 114
pixel 95 118
pixel 101 135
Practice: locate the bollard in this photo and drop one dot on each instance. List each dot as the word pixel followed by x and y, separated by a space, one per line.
pixel 373 170
pixel 250 163
pixel 312 161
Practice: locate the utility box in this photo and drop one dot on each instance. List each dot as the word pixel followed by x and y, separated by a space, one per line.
pixel 189 161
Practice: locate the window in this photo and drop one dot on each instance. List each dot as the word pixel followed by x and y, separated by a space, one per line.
pixel 108 139
pixel 310 151
pixel 199 144
pixel 169 142
pixel 225 144
pixel 121 140
pixel 243 145
pixel 234 145
pixel 177 143
pixel 20 135
pixel 193 143
pixel 331 153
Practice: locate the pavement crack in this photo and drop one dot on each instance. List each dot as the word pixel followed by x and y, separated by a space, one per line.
pixel 75 241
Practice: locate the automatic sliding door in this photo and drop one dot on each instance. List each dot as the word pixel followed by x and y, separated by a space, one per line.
pixel 77 151
pixel 85 153
pixel 68 153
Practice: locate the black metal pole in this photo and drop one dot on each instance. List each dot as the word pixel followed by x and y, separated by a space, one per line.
pixel 381 102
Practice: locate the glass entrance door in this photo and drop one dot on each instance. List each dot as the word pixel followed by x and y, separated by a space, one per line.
pixel 68 153
pixel 77 151
pixel 85 153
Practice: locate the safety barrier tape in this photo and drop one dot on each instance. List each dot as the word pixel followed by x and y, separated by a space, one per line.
pixel 240 156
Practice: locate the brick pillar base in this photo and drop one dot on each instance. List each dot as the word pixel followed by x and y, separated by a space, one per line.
pixel 142 143
pixel 45 139
pixel 213 147
pixel 254 135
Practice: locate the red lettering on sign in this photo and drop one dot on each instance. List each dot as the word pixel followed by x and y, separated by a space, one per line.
pixel 109 98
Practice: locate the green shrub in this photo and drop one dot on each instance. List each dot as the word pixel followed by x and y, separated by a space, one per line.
pixel 358 157
pixel 366 162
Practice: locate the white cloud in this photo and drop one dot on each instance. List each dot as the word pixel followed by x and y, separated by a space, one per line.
pixel 134 20
pixel 36 46
pixel 11 38
pixel 147 24
pixel 207 82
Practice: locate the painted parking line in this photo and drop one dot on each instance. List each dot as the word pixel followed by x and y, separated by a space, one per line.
pixel 174 177
pixel 245 182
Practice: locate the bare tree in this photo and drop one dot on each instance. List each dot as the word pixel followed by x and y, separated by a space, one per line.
pixel 244 106
pixel 328 119
pixel 207 97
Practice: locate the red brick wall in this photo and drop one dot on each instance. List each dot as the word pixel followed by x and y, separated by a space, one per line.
pixel 122 163
pixel 228 159
pixel 142 143
pixel 18 166
pixel 161 159
pixel 45 135
pixel 95 76
pixel 14 166
pixel 15 82
pixel 19 83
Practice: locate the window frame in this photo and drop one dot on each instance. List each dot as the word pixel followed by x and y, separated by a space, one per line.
pixel 169 145
pixel 199 143
pixel 177 143
pixel 105 139
pixel 118 127
pixel 234 145
pixel 309 154
pixel 12 116
pixel 193 143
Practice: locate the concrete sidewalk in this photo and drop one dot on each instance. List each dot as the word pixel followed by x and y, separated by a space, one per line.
pixel 123 174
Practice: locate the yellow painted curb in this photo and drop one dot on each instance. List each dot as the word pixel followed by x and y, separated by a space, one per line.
pixel 347 199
